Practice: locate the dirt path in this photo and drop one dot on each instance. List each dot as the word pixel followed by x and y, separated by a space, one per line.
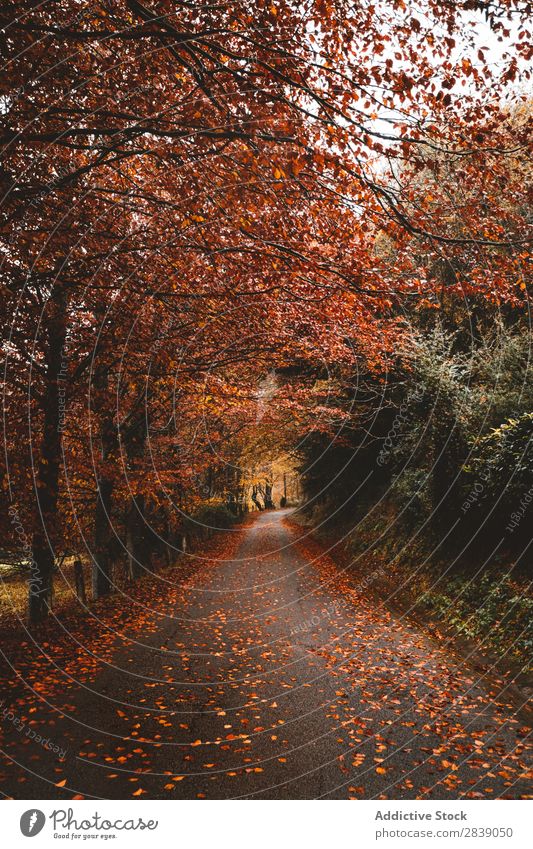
pixel 274 681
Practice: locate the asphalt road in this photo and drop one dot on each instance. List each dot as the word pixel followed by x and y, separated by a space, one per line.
pixel 272 679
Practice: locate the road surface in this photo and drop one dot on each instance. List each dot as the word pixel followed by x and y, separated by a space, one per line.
pixel 270 679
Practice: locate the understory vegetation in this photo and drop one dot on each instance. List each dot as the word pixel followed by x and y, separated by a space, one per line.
pixel 429 486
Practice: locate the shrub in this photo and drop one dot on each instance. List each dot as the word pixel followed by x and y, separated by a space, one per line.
pixel 209 518
pixel 504 465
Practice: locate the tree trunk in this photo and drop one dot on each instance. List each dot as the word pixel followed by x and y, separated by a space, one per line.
pixel 255 497
pixel 48 466
pixel 102 566
pixel 80 582
pixel 269 504
pixel 102 570
pixel 135 538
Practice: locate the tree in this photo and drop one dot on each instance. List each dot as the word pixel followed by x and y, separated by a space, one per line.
pixel 182 164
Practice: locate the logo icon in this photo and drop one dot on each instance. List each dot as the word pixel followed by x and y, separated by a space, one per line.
pixel 32 822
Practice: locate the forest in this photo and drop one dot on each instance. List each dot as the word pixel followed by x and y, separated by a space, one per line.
pixel 265 276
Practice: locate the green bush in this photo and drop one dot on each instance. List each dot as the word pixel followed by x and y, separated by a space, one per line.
pixel 490 607
pixel 209 518
pixel 504 465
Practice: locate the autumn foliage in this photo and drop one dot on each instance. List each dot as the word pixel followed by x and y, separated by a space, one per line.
pixel 197 196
